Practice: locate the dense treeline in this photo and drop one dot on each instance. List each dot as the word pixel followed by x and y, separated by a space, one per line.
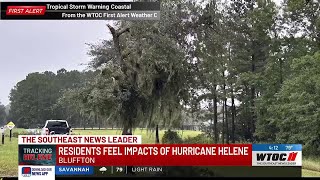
pixel 36 98
pixel 257 60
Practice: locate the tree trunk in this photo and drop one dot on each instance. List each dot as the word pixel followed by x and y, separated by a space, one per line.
pixel 215 116
pixel 157 135
pixel 225 109
pixel 223 122
pixel 233 109
pixel 115 36
pixel 226 120
pixel 254 48
pixel 97 120
pixel 281 70
pixel 253 92
pixel 248 116
pixel 127 130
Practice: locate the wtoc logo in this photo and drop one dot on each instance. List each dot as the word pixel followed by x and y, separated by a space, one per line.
pixel 276 155
pixel 276 158
pixel 36 172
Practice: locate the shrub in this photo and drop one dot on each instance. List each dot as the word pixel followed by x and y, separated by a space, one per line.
pixel 171 137
pixel 15 134
pixel 199 139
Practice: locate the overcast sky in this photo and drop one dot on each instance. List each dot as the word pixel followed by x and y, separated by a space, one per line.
pixel 37 46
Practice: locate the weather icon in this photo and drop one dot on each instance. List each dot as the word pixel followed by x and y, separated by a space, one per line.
pixel 119 169
pixel 103 170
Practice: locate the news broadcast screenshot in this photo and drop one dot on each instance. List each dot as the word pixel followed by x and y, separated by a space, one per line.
pixel 157 89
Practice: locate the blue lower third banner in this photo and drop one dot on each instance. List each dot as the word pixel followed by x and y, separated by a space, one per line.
pixel 74 170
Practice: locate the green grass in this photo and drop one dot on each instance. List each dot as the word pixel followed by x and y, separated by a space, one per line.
pixel 311 167
pixel 9 157
pixel 311 164
pixel 310 173
pixel 9 151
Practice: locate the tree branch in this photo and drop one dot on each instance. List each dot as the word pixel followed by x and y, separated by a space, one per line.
pixel 117 33
pixel 123 30
pixel 112 30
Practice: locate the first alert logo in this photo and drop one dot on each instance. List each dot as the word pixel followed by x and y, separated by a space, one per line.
pixel 25 10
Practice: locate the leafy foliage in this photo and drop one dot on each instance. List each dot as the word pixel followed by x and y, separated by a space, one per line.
pixel 148 84
pixel 199 139
pixel 33 100
pixel 171 137
pixel 297 105
pixel 3 114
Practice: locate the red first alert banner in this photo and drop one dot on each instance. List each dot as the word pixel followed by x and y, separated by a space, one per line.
pixel 26 10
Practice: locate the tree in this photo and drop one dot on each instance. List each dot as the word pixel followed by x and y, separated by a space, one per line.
pixel 3 114
pixel 209 52
pixel 250 44
pixel 296 106
pixel 144 78
pixel 34 99
pixel 30 99
pixel 304 21
pixel 293 36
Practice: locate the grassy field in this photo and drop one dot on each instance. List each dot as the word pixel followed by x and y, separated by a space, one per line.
pixel 311 167
pixel 9 151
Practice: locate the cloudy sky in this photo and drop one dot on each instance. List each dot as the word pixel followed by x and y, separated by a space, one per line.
pixel 36 46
